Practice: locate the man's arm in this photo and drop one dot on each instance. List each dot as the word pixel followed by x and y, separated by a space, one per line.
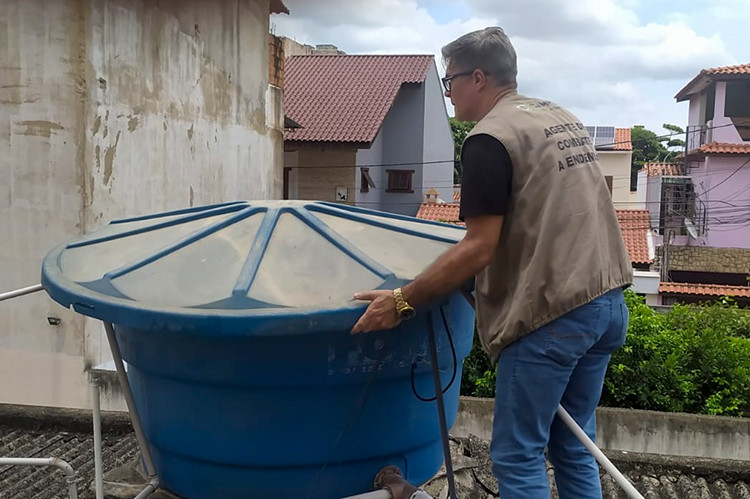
pixel 448 272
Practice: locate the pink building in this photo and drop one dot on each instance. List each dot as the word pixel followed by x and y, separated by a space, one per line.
pixel 701 216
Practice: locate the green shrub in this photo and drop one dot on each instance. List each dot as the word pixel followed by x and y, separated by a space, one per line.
pixel 693 359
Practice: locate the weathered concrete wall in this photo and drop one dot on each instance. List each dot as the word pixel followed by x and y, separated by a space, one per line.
pixel 637 431
pixel 41 174
pixel 109 109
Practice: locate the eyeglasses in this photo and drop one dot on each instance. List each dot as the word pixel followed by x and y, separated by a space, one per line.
pixel 448 79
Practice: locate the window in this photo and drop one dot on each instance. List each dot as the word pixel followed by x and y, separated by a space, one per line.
pixel 399 180
pixel 365 180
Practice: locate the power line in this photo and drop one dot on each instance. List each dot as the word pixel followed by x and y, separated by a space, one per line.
pixel 453 160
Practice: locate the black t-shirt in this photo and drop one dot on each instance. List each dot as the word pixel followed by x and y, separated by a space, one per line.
pixel 487 177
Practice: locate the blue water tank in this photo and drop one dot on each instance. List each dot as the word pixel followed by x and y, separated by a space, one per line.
pixel 234 321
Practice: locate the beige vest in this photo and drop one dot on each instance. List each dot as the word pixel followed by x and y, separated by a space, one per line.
pixel 561 244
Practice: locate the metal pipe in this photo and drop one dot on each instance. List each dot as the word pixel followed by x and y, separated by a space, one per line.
pixel 376 494
pixel 610 468
pixel 441 408
pixel 150 489
pixel 20 292
pixel 98 472
pixel 125 384
pixel 67 469
pixel 603 460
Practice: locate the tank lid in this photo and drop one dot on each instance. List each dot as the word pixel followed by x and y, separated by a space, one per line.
pixel 240 261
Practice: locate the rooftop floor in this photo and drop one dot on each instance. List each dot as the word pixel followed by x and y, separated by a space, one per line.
pixel 38 432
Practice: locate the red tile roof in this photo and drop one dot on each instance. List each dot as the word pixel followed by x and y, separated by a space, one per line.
pixel 634 225
pixel 729 70
pixel 722 148
pixel 622 139
pixel 440 212
pixel 660 169
pixel 687 288
pixel 345 98
pixel 706 76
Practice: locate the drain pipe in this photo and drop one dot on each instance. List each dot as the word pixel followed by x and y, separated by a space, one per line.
pixel 441 407
pixel 376 494
pixel 97 417
pixel 150 488
pixel 20 292
pixel 610 468
pixel 134 419
pixel 67 469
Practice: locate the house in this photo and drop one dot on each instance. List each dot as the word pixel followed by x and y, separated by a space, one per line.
pixel 615 152
pixel 700 213
pixel 374 131
pixel 112 109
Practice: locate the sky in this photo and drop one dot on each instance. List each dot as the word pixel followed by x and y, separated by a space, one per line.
pixel 611 62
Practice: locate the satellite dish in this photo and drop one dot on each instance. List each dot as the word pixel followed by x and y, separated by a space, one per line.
pixel 690 226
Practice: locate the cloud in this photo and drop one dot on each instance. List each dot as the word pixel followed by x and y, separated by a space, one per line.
pixel 611 61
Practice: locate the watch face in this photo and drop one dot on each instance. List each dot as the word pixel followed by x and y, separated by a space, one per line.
pixel 406 313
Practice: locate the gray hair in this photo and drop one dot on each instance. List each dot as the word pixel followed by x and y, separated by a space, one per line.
pixel 488 49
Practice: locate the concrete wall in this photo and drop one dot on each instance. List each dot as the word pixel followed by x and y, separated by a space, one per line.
pixel 617 165
pixel 321 171
pixel 437 154
pixel 114 108
pixel 637 431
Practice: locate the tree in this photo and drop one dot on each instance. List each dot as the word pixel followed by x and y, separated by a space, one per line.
pixel 459 129
pixel 651 148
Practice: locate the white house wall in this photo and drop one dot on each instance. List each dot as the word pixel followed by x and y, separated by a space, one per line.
pixel 617 165
pixel 114 108
pixel 438 140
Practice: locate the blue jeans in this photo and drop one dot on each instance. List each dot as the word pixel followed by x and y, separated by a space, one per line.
pixel 564 363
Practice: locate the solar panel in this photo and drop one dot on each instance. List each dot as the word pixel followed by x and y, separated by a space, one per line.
pixel 591 131
pixel 605 137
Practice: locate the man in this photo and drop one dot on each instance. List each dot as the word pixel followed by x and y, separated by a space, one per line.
pixel 545 246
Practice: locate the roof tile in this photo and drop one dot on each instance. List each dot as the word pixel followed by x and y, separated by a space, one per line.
pixel 724 148
pixel 662 169
pixel 345 98
pixel 440 212
pixel 729 70
pixel 622 139
pixel 689 288
pixel 634 225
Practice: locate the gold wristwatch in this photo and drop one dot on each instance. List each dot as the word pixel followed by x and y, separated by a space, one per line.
pixel 403 309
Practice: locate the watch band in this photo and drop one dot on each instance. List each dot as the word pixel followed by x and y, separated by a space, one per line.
pixel 401 304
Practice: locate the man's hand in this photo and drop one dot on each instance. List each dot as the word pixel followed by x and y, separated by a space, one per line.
pixel 380 314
